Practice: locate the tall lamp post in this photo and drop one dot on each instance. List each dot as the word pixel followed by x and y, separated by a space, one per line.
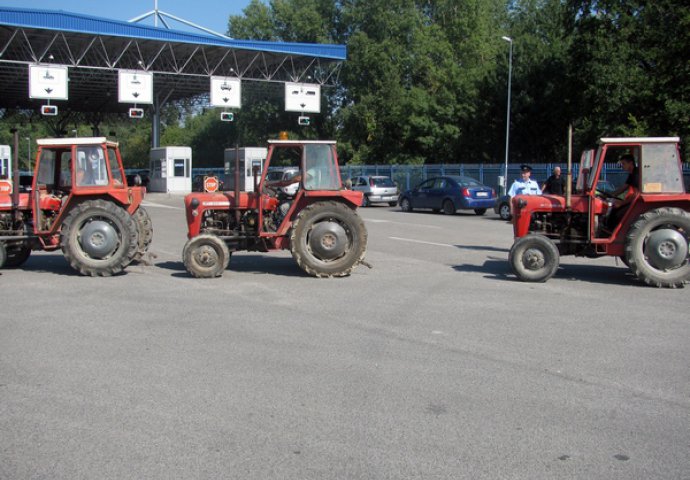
pixel 510 75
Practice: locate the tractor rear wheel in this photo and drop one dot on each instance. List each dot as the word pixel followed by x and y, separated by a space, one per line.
pixel 17 255
pixel 205 256
pixel 98 238
pixel 656 247
pixel 145 229
pixel 328 239
pixel 534 258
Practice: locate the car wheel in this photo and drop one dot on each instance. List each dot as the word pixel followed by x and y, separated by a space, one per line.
pixel 365 201
pixel 480 211
pixel 392 204
pixel 534 258
pixel 656 247
pixel 448 207
pixel 405 205
pixel 504 211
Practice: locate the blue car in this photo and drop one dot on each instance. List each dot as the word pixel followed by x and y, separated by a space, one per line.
pixel 449 193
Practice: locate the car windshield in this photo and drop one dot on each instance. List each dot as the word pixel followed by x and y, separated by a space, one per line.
pixel 382 182
pixel 467 182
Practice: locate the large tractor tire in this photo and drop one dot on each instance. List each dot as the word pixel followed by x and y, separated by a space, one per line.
pixel 656 247
pixel 17 255
pixel 145 229
pixel 99 238
pixel 205 256
pixel 328 239
pixel 534 258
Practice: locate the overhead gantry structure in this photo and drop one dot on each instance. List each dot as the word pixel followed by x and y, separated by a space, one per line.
pixel 95 49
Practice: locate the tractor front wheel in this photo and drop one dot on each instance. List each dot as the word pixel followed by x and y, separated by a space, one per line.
pixel 206 256
pixel 656 247
pixel 534 258
pixel 328 239
pixel 17 255
pixel 98 238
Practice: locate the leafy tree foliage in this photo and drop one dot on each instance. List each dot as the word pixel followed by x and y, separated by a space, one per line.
pixel 426 81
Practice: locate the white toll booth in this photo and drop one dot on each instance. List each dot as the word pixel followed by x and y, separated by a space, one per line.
pixel 170 170
pixel 250 157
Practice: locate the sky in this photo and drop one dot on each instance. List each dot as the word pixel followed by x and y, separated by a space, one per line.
pixel 211 14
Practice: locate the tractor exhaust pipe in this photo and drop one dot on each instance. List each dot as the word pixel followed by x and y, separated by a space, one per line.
pixel 238 217
pixel 569 175
pixel 15 177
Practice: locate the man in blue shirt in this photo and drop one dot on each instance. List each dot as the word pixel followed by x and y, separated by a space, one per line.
pixel 524 185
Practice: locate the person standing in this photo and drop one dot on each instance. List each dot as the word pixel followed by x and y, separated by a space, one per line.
pixel 555 184
pixel 524 185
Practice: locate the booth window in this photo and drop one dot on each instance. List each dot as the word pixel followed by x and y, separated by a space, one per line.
pixel 4 168
pixel 181 168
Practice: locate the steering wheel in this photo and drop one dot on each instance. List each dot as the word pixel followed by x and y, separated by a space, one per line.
pixel 604 194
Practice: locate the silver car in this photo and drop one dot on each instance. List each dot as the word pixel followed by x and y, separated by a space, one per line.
pixel 376 189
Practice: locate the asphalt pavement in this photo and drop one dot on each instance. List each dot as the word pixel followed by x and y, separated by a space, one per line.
pixel 435 363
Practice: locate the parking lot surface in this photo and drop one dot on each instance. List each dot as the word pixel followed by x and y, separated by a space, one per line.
pixel 433 363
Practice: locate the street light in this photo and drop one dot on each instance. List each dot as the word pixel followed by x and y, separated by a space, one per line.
pixel 510 74
pixel 28 155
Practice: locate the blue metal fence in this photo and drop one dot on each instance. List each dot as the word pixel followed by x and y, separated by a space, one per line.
pixel 407 176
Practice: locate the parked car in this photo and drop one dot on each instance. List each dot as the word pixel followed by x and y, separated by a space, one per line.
pixel 276 174
pixel 449 193
pixel 376 189
pixel 502 207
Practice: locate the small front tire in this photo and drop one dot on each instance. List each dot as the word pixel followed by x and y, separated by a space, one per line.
pixel 205 256
pixel 534 258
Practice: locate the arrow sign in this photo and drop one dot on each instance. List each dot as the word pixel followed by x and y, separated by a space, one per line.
pixel 226 92
pixel 135 86
pixel 48 82
pixel 302 97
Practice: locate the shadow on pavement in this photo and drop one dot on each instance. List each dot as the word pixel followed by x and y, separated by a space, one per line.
pixel 499 269
pixel 272 265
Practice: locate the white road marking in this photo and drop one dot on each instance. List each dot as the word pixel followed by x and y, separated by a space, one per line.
pixel 407 224
pixel 159 205
pixel 422 242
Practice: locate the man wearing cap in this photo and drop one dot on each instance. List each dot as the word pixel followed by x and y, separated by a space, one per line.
pixel 524 185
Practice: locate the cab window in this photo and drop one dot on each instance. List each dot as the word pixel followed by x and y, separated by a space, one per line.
pixel 114 166
pixel 320 167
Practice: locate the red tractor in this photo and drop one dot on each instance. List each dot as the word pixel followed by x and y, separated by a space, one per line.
pixel 318 224
pixel 79 202
pixel 649 229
